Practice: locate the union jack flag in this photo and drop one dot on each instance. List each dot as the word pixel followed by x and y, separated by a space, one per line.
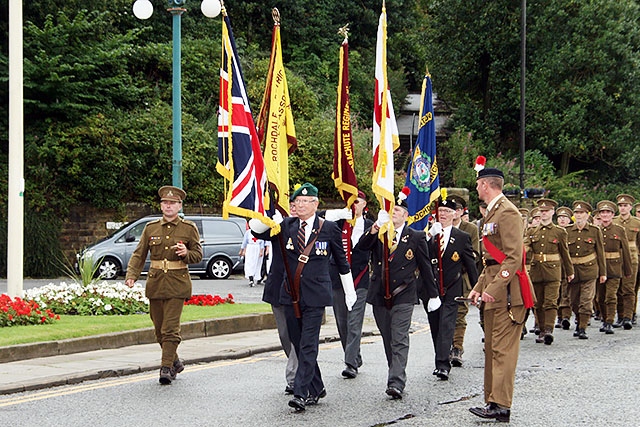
pixel 240 159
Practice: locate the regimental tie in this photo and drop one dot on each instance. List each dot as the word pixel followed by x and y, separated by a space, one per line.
pixel 302 238
pixel 395 242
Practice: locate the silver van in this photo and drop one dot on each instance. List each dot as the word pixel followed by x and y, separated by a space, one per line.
pixel 221 240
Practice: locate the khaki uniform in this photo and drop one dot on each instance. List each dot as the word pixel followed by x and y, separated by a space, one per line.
pixel 626 293
pixel 547 254
pixel 463 309
pixel 618 259
pixel 168 283
pixel 503 227
pixel 587 256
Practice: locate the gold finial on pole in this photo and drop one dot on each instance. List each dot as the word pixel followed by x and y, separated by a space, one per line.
pixel 275 14
pixel 344 32
pixel 222 8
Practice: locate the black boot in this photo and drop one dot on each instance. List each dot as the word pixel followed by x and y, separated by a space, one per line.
pixel 618 323
pixel 608 329
pixel 582 334
pixel 626 323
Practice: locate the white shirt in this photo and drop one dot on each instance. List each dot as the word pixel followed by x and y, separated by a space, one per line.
pixel 447 234
pixel 308 228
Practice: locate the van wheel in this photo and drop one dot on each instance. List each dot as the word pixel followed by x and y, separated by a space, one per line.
pixel 108 269
pixel 219 268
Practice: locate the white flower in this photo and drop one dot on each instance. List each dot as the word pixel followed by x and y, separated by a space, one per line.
pixel 108 307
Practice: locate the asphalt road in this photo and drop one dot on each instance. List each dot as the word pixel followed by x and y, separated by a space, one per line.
pixel 570 383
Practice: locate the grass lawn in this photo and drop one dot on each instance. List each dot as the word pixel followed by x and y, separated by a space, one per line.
pixel 83 326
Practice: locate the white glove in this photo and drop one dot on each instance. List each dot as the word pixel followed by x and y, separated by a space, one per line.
pixel 433 304
pixel 383 218
pixel 277 217
pixel 337 214
pixel 350 296
pixel 258 226
pixel 435 229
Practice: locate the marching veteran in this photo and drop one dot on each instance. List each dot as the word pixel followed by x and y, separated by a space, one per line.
pixel 506 294
pixel 547 250
pixel 309 243
pixel 173 243
pixel 395 285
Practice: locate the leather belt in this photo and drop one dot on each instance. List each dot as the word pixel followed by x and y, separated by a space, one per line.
pixel 583 259
pixel 612 255
pixel 488 262
pixel 546 257
pixel 165 265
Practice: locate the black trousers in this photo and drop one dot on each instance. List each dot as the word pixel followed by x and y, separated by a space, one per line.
pixel 305 336
pixel 442 323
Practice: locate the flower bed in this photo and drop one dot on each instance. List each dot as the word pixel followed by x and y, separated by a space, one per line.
pixel 93 299
pixel 209 300
pixel 20 312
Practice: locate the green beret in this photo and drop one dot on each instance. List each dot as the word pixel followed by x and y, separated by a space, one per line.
pixel 305 189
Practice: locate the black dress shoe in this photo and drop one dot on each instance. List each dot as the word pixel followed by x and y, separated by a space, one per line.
pixel 582 334
pixel 443 374
pixel 313 400
pixel 626 323
pixel 548 338
pixel 288 389
pixel 492 411
pixel 456 357
pixel 297 403
pixel 566 324
pixel 608 329
pixel 618 323
pixel 350 372
pixel 435 371
pixel 394 393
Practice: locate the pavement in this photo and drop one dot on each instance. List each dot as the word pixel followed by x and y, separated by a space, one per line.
pixel 49 364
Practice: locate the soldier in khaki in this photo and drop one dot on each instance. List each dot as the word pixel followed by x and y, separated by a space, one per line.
pixel 534 215
pixel 587 256
pixel 626 291
pixel 548 254
pixel 463 309
pixel 634 319
pixel 563 218
pixel 524 213
pixel 618 257
pixel 173 243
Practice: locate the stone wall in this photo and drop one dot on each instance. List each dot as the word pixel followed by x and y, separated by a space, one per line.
pixel 86 224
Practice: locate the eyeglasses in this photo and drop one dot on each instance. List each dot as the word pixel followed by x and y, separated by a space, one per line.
pixel 299 201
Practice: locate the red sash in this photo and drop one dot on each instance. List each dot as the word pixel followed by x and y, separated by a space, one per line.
pixel 499 256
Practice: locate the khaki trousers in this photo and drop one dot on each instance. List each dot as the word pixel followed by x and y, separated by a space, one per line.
pixel 165 315
pixel 626 294
pixel 581 295
pixel 564 301
pixel 461 318
pixel 502 347
pixel 546 304
pixel 607 300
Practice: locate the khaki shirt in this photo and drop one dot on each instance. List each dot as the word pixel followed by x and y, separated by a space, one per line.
pixel 157 238
pixel 587 252
pixel 503 227
pixel 632 227
pixel 616 251
pixel 547 253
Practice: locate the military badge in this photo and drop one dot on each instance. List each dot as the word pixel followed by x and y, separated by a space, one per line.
pixel 405 238
pixel 489 229
pixel 409 254
pixel 504 274
pixel 455 257
pixel 289 245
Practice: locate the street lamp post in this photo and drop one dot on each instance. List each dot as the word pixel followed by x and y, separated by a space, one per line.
pixel 143 9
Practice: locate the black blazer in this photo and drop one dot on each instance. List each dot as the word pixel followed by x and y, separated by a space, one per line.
pixel 409 264
pixel 459 253
pixel 315 281
pixel 359 261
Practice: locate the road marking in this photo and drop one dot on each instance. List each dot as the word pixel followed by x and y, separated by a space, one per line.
pixel 105 383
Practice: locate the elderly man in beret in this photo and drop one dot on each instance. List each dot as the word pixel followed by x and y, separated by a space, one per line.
pixel 173 243
pixel 309 243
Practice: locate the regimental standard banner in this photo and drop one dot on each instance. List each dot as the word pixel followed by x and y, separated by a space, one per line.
pixel 276 131
pixel 422 176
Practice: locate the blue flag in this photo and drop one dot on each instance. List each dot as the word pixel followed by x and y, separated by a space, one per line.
pixel 422 177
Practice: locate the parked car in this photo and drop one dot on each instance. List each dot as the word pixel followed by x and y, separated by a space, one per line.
pixel 221 240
